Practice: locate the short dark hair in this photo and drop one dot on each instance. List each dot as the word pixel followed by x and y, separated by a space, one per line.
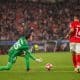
pixel 76 15
pixel 28 33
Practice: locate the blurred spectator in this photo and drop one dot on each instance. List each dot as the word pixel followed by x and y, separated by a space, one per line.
pixel 49 20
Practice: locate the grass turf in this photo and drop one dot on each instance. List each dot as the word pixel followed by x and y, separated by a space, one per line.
pixel 62 68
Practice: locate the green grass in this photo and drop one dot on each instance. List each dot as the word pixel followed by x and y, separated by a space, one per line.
pixel 62 68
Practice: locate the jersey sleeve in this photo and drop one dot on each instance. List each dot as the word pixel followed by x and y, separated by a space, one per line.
pixel 72 25
pixel 24 44
pixel 29 54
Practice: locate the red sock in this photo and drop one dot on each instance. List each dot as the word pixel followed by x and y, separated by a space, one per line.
pixel 74 59
pixel 78 60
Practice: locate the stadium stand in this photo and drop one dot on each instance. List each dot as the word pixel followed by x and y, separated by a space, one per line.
pixel 50 21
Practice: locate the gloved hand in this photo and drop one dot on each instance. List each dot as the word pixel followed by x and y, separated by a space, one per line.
pixel 38 60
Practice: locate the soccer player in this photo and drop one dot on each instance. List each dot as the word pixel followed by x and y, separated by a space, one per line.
pixel 74 38
pixel 16 50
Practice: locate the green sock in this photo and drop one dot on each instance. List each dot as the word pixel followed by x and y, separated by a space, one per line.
pixel 27 62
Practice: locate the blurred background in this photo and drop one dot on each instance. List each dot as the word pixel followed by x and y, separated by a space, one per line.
pixel 49 18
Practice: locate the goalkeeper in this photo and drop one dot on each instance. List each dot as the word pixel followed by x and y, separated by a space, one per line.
pixel 16 50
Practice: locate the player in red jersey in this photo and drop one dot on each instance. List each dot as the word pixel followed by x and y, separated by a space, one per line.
pixel 74 38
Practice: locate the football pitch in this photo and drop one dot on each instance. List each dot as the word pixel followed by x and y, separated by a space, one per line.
pixel 62 68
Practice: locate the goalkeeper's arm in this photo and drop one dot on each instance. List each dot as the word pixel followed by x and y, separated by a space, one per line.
pixel 29 54
pixel 70 32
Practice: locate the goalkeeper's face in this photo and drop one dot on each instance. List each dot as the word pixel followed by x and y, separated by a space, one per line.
pixel 30 38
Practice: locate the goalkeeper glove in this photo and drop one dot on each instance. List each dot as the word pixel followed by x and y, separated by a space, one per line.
pixel 38 60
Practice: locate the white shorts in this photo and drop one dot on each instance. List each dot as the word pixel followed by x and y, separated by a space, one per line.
pixel 75 47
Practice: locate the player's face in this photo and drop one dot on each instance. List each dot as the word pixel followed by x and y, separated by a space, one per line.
pixel 31 38
pixel 76 18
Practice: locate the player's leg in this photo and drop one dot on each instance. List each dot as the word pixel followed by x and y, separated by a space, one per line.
pixel 78 57
pixel 11 60
pixel 74 58
pixel 13 56
pixel 8 65
pixel 78 60
pixel 72 49
pixel 27 62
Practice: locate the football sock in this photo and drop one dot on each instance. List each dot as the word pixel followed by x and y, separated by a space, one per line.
pixel 78 60
pixel 74 59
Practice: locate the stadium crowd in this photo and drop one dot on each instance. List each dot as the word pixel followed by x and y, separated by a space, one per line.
pixel 50 21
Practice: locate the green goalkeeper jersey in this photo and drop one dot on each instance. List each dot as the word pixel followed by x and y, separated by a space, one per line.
pixel 18 47
pixel 22 43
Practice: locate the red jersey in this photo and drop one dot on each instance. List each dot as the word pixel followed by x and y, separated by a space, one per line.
pixel 75 36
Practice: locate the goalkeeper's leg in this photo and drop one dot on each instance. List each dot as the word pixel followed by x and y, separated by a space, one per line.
pixel 11 61
pixel 9 64
pixel 7 67
pixel 27 62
